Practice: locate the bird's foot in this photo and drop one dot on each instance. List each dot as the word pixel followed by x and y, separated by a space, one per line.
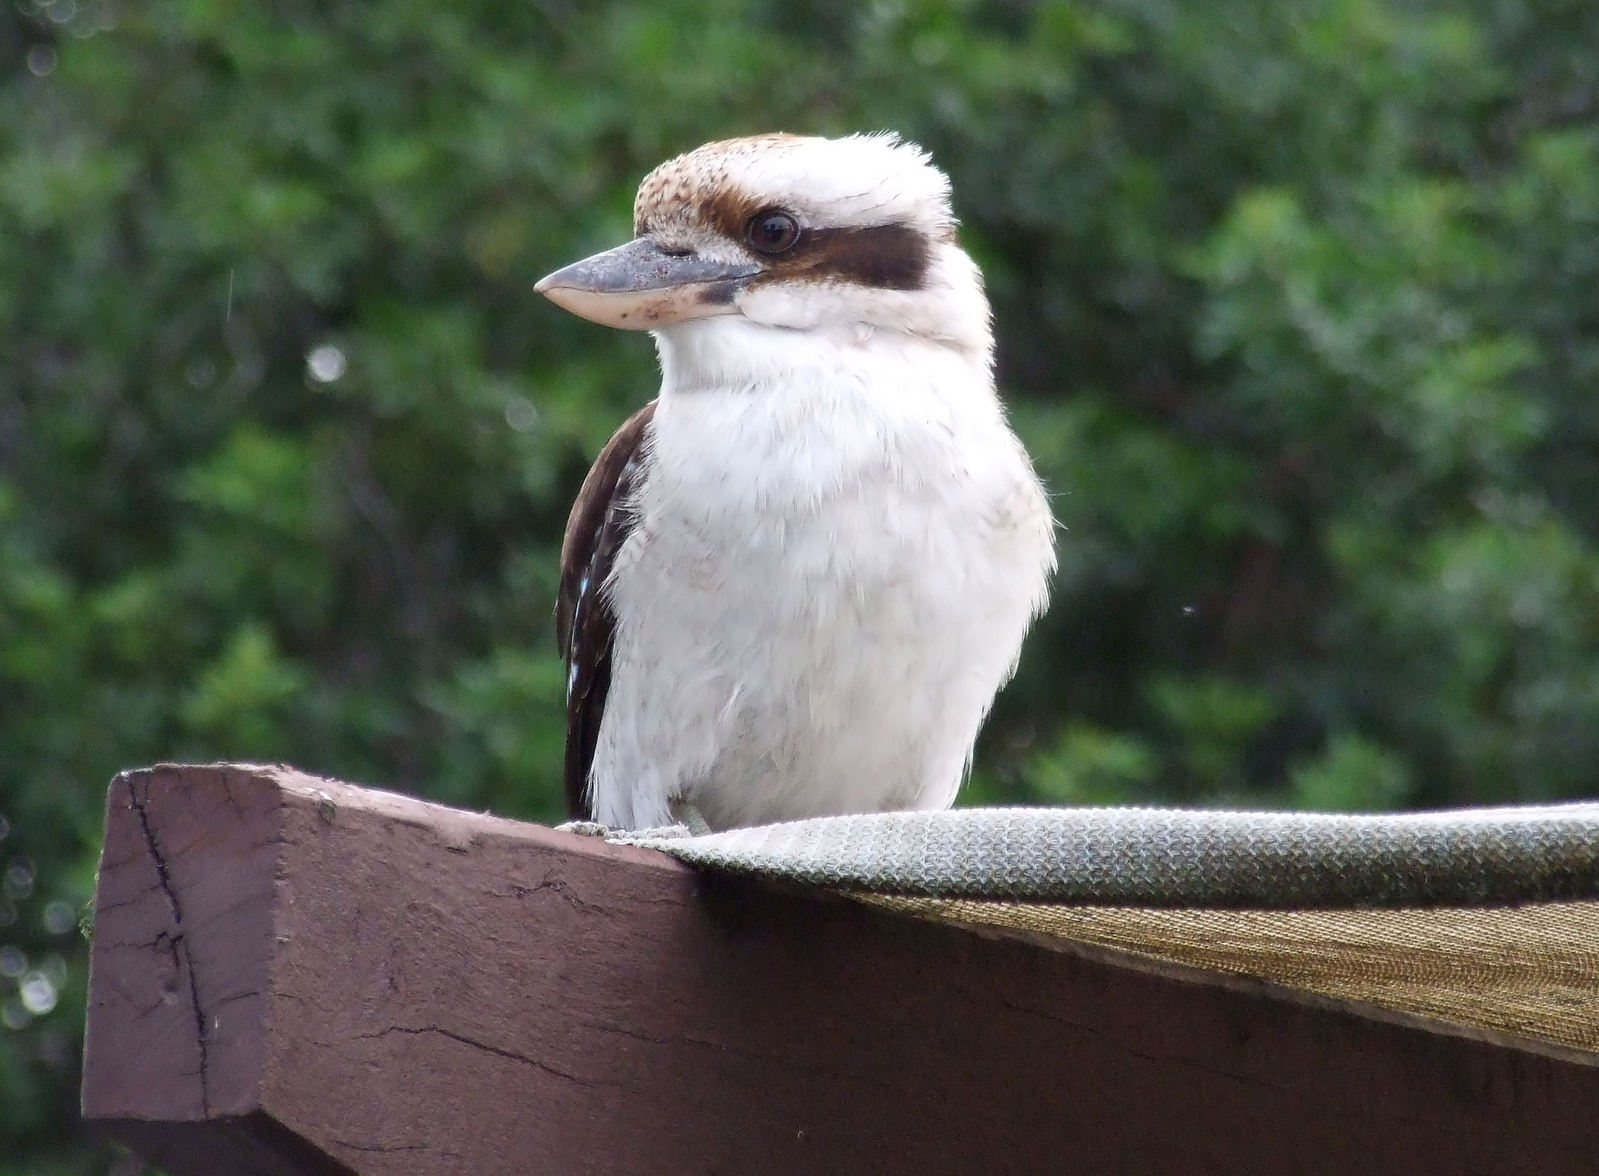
pixel 687 823
pixel 583 828
pixel 689 818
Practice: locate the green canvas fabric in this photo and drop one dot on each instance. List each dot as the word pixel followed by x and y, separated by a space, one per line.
pixel 1174 857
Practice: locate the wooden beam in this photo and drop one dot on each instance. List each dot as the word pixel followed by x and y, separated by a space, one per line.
pixel 291 975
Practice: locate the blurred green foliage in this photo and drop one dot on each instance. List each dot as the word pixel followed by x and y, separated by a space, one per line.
pixel 1298 308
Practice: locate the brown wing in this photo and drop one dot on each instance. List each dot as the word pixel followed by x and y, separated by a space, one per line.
pixel 584 624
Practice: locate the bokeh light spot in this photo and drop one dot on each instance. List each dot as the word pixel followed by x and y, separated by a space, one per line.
pixel 326 363
pixel 42 61
pixel 38 993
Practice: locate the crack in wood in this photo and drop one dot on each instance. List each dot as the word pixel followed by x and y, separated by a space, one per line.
pixel 389 1148
pixel 498 1051
pixel 182 959
pixel 561 889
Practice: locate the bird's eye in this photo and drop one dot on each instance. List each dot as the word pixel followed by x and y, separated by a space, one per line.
pixel 773 232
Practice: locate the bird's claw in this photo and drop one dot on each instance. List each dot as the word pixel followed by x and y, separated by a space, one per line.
pixel 583 828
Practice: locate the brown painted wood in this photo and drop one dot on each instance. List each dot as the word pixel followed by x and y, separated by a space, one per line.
pixel 296 976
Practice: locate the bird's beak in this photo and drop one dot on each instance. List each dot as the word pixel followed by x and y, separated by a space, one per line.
pixel 640 287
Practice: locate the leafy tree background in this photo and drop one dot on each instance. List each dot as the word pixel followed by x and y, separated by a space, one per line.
pixel 1298 311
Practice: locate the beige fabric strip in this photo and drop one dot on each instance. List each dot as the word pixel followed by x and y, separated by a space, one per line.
pixel 1528 971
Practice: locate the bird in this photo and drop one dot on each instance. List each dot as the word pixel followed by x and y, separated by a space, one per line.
pixel 792 584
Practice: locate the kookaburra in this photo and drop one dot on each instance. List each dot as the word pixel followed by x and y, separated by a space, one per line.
pixel 792 583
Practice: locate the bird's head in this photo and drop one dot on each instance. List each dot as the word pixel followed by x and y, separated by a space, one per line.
pixel 851 237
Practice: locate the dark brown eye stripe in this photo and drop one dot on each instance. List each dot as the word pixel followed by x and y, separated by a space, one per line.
pixel 883 257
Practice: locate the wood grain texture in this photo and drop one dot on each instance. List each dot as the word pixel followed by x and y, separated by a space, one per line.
pixel 292 975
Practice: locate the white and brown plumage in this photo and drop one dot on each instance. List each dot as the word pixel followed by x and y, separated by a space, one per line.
pixel 792 584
